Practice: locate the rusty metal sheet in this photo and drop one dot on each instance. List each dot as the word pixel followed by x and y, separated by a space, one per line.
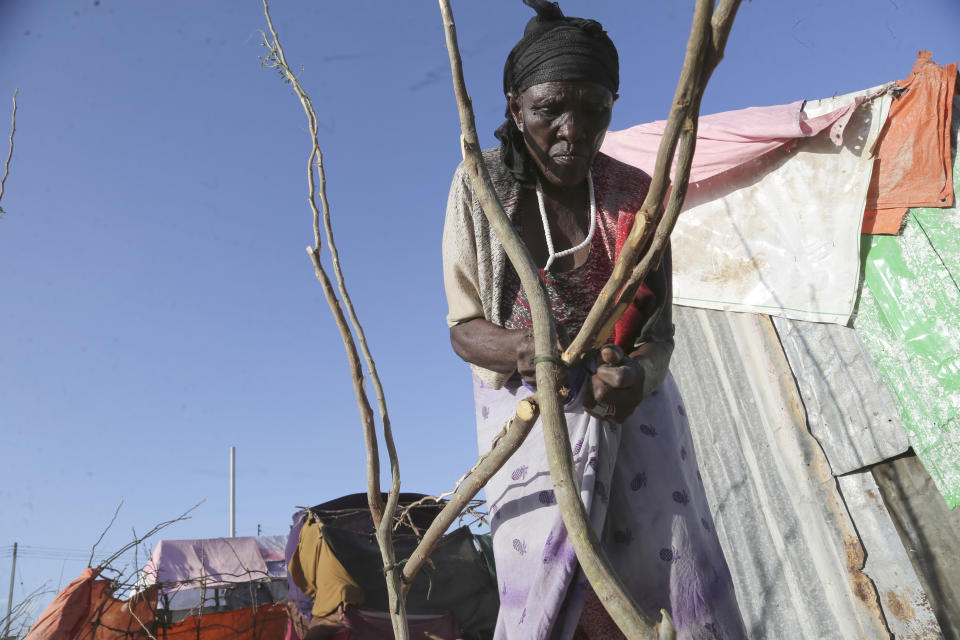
pixel 902 598
pixel 849 409
pixel 930 533
pixel 794 553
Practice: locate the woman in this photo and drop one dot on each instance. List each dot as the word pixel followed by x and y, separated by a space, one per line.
pixel 573 207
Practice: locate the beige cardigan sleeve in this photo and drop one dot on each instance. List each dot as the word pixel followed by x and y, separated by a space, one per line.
pixel 460 272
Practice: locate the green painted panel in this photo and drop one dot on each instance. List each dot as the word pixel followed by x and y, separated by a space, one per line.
pixel 908 317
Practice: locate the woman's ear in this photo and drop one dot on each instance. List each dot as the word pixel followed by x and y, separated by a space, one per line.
pixel 516 111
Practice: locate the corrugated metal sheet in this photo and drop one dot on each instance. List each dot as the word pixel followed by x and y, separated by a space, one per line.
pixel 930 533
pixel 849 408
pixel 795 555
pixel 904 601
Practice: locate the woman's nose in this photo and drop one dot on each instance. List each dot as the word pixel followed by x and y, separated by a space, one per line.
pixel 570 128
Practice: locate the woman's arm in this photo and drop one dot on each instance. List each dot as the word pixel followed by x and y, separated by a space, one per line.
pixel 484 344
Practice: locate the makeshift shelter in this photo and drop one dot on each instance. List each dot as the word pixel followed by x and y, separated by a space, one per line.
pixel 86 609
pixel 827 420
pixel 336 579
pixel 219 587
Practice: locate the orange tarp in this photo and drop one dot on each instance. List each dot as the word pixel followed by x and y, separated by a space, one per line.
pixel 266 622
pixel 912 166
pixel 113 619
pixel 87 610
pixel 64 616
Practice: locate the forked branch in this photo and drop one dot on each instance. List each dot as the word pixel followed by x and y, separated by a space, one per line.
pixel 609 588
pixel 704 50
pixel 708 37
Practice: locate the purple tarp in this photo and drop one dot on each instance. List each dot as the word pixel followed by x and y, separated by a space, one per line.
pixel 215 562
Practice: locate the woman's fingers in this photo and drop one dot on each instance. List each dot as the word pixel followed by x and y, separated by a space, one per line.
pixel 609 378
pixel 612 354
pixel 616 390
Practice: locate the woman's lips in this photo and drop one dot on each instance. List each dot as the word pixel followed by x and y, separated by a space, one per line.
pixel 567 158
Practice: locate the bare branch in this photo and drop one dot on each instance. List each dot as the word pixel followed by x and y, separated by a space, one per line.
pixel 163 525
pixel 110 524
pixel 704 50
pixel 382 514
pixel 21 613
pixel 508 441
pixel 13 129
pixel 133 613
pixel 708 37
pixel 608 586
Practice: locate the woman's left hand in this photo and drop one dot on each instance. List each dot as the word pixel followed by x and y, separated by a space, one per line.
pixel 616 389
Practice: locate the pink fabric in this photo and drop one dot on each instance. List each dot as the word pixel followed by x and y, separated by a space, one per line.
pixel 291 633
pixel 376 625
pixel 729 139
pixel 216 562
pixel 271 547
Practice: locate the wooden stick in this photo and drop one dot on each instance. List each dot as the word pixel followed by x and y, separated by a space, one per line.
pixel 607 585
pixel 708 37
pixel 505 444
pixel 721 23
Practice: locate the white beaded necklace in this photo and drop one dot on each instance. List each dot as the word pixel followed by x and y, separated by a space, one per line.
pixel 546 225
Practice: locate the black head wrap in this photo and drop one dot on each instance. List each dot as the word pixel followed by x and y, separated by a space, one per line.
pixel 554 48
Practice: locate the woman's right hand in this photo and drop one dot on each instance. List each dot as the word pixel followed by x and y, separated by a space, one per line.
pixel 525 350
pixel 485 344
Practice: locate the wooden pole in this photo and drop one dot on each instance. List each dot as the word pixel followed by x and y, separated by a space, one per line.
pixel 233 492
pixel 13 572
pixel 606 583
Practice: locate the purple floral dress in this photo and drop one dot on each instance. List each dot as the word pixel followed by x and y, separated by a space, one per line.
pixel 639 482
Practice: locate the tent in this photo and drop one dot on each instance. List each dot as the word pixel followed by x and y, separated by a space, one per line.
pixel 86 609
pixel 219 587
pixel 336 579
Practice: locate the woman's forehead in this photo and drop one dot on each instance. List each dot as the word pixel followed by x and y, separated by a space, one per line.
pixel 568 89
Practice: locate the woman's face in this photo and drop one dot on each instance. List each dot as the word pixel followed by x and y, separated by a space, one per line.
pixel 563 125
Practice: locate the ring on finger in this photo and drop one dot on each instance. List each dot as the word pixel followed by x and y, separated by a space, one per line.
pixel 603 410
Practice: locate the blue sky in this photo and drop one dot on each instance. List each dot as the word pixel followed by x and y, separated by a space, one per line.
pixel 156 302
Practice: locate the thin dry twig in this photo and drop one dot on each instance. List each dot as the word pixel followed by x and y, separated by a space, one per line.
pixel 109 524
pixel 139 621
pixel 382 514
pixel 21 613
pixel 159 527
pixel 13 129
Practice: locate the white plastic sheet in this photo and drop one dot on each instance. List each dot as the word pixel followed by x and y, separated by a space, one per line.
pixel 781 235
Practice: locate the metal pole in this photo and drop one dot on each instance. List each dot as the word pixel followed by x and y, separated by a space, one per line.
pixel 13 571
pixel 233 491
